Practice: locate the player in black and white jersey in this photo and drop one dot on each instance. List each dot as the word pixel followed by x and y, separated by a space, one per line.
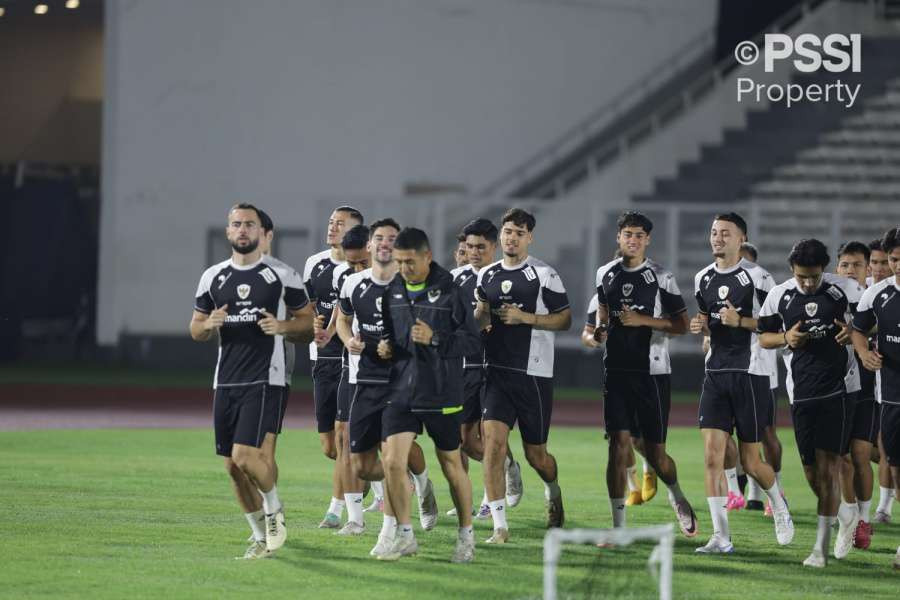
pixel 809 316
pixel 729 293
pixel 879 309
pixel 360 325
pixel 639 305
pixel 461 253
pixel 247 300
pixel 326 372
pixel 879 270
pixel 856 473
pixel 480 236
pixel 521 302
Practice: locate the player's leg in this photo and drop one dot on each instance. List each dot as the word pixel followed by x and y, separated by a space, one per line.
pixel 633 495
pixel 499 417
pixel 396 450
pixel 883 513
pixel 534 408
pixel 832 426
pixel 418 472
pixel 619 420
pixel 772 449
pixel 648 480
pixel 735 497
pixel 716 419
pixel 863 435
pixel 827 476
pixel 326 380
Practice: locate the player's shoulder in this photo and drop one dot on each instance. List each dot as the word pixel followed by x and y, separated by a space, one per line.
pixel 315 259
pixel 460 271
pixel 872 291
pixel 661 273
pixel 756 272
pixel 707 271
pixel 594 304
pixel 543 270
pixel 281 268
pixel 355 279
pixel 849 287
pixel 339 273
pixel 492 268
pixel 212 272
pixel 789 285
pixel 603 270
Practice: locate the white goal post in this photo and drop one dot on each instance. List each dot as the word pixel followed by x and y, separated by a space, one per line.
pixel 659 563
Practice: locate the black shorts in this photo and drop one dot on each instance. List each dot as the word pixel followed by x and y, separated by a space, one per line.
pixel 866 421
pixel 326 375
pixel 773 406
pixel 736 400
pixel 244 414
pixel 344 396
pixel 443 429
pixel 890 433
pixel 366 407
pixel 822 425
pixel 638 403
pixel 511 396
pixel 473 392
pixel 282 407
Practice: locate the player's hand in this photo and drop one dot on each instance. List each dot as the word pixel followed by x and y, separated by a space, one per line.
pixel 511 314
pixel 843 335
pixel 421 332
pixel 385 350
pixel 216 318
pixel 601 333
pixel 631 318
pixel 730 315
pixel 794 337
pixel 321 336
pixel 356 345
pixel 269 324
pixel 700 324
pixel 871 360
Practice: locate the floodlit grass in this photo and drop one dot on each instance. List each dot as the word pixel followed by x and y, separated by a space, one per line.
pixel 149 514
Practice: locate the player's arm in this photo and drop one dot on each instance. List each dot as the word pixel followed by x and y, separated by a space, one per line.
pixel 864 325
pixel 672 325
pixel 463 336
pixel 203 325
pixel 298 329
pixel 730 317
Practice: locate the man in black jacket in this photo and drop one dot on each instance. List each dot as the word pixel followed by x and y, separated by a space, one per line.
pixel 428 329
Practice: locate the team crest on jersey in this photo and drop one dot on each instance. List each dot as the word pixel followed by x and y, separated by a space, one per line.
pixel 627 288
pixel 378 304
pixel 506 286
pixel 243 291
pixel 433 295
pixel 723 292
pixel 811 308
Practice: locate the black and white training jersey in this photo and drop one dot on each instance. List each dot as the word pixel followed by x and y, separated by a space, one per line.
pixel 746 286
pixel 351 361
pixel 534 287
pixel 648 289
pixel 591 317
pixel 822 368
pixel 363 296
pixel 466 278
pixel 246 354
pixel 880 305
pixel 317 279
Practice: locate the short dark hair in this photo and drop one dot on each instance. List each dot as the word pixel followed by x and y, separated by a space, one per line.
pixel 633 218
pixel 751 249
pixel 354 213
pixel 809 253
pixel 890 240
pixel 460 237
pixel 265 221
pixel 412 238
pixel 733 217
pixel 483 227
pixel 388 222
pixel 854 247
pixel 875 246
pixel 247 206
pixel 520 218
pixel 355 238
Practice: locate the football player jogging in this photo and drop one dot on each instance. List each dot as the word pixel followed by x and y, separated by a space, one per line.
pixel 880 309
pixel 735 394
pixel 481 245
pixel 521 302
pixel 856 473
pixel 247 300
pixel 429 327
pixel 326 371
pixel 809 316
pixel 639 305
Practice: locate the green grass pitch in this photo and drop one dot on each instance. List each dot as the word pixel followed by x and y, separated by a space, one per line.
pixel 150 514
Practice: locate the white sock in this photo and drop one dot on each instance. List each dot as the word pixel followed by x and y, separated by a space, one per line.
pixel 618 511
pixel 778 480
pixel 405 530
pixel 336 507
pixel 630 474
pixel 675 493
pixel 507 463
pixel 271 503
pixel 739 468
pixel 551 490
pixel 485 499
pixel 846 512
pixel 823 533
pixel 257 521
pixel 388 526
pixel 354 507
pixel 646 467
pixel 378 488
pixel 731 480
pixel 719 515
pixel 754 490
pixel 775 499
pixel 885 499
pixel 420 481
pixel 865 510
pixel 498 513
pixel 466 532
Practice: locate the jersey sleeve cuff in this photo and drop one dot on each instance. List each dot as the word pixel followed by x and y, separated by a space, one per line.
pixel 560 309
pixel 202 310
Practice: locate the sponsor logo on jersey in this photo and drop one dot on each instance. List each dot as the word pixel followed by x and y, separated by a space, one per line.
pixel 723 292
pixel 433 295
pixel 268 275
pixel 506 286
pixel 811 308
pixel 627 288
pixel 243 291
pixel 894 339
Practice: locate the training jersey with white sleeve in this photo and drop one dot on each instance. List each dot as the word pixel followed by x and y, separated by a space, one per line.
pixel 318 279
pixel 880 305
pixel 466 278
pixel 362 295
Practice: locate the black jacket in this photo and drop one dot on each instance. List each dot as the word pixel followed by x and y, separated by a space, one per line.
pixel 430 378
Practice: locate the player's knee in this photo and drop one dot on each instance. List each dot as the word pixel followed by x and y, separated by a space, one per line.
pixel 535 455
